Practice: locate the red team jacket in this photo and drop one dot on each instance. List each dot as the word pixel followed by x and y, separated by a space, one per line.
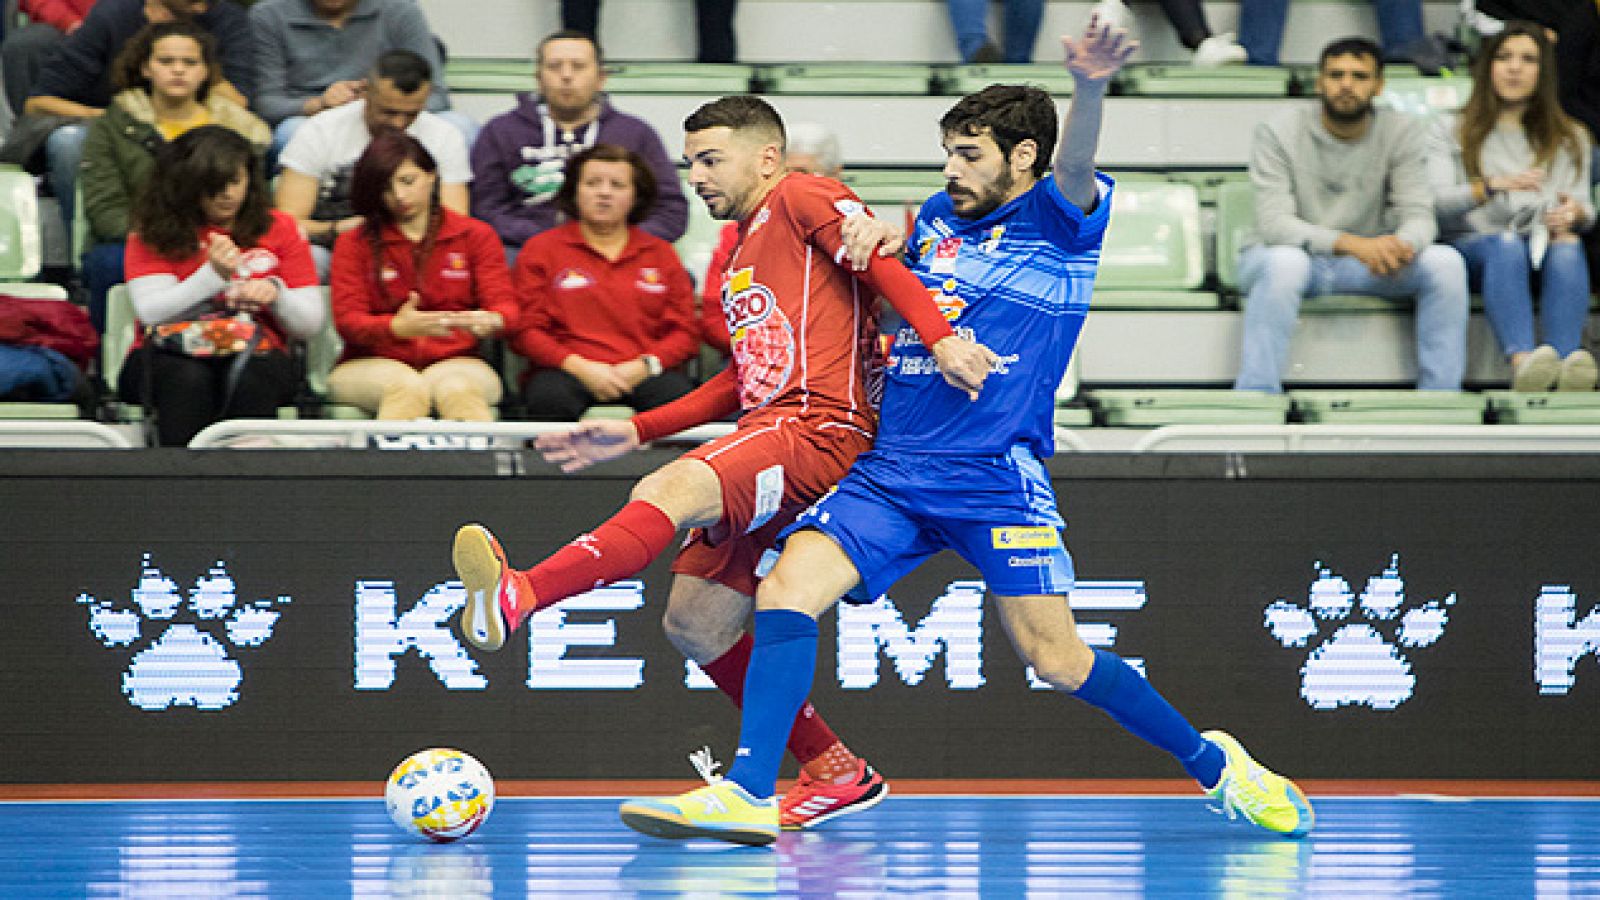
pixel 466 269
pixel 575 301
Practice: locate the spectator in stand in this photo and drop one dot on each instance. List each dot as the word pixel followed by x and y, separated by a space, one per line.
pixel 520 156
pixel 607 309
pixel 1188 20
pixel 812 149
pixel 317 164
pixel 314 55
pixel 415 289
pixel 1343 206
pixel 224 283
pixel 76 78
pixel 1261 25
pixel 713 21
pixel 167 74
pixel 1511 185
pixel 24 51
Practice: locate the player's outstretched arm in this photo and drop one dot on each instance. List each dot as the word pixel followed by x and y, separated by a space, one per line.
pixel 1092 60
pixel 588 443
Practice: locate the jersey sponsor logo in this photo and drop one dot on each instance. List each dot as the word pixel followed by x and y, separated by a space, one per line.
pixel 1020 562
pixel 950 306
pixel 650 281
pixel 769 495
pixel 760 220
pixel 455 266
pixel 992 242
pixel 257 262
pixel 762 339
pixel 1025 537
pixel 945 255
pixel 848 208
pixel 573 280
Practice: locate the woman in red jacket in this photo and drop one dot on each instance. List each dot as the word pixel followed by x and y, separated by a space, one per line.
pixel 607 309
pixel 414 290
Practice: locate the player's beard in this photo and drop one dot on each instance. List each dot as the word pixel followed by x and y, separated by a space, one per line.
pixel 1343 116
pixel 989 200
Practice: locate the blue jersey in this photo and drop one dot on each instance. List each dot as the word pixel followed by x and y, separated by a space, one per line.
pixel 1017 280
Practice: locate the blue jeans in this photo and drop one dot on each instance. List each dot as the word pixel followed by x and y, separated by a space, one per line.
pixel 1500 265
pixel 63 152
pixel 1261 27
pixel 102 271
pixel 1021 27
pixel 1276 279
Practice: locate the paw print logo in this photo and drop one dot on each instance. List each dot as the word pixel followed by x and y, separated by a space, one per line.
pixel 187 664
pixel 1358 665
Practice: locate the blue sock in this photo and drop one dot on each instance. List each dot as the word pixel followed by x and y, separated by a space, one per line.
pixel 783 662
pixel 1114 686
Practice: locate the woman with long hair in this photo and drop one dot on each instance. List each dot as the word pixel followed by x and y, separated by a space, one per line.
pixel 1511 183
pixel 607 308
pixel 415 288
pixel 224 283
pixel 164 76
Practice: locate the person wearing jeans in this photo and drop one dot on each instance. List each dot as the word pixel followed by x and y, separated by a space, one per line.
pixel 1261 24
pixel 1511 177
pixel 1343 205
pixel 969 19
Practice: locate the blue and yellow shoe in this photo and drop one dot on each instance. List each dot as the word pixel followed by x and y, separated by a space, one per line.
pixel 722 810
pixel 1260 795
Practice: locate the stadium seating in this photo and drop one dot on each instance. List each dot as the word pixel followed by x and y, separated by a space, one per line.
pixel 1152 258
pixel 21 246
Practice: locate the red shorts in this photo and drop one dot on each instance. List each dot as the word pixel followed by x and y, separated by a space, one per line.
pixel 770 472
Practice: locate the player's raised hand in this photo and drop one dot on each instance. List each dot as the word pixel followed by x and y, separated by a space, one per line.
pixel 588 443
pixel 864 235
pixel 1100 53
pixel 964 364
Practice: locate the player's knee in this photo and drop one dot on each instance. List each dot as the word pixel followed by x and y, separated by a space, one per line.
pixel 697 636
pixel 780 590
pixel 1064 665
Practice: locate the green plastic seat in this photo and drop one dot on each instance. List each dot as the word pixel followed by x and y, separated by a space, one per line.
pixel 1152 257
pixel 1192 81
pixel 24 410
pixel 959 81
pixel 1074 417
pixel 490 76
pixel 1356 406
pixel 322 354
pixel 1548 408
pixel 607 411
pixel 21 245
pixel 1423 96
pixel 708 79
pixel 898 79
pixel 1154 407
pixel 894 186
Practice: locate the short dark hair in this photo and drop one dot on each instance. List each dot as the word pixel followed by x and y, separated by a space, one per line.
pixel 1010 114
pixel 200 163
pixel 568 34
pixel 127 72
pixel 644 180
pixel 1352 46
pixel 738 112
pixel 406 69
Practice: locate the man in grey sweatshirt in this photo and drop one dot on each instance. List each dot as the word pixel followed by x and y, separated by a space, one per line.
pixel 1343 206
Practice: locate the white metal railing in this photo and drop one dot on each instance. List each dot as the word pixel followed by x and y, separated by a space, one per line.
pixel 69 433
pixel 421 434
pixel 1371 439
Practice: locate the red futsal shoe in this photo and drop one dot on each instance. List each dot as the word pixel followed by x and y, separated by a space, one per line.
pixel 810 802
pixel 497 595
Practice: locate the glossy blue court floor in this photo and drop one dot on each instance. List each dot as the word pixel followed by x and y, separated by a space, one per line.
pixel 911 846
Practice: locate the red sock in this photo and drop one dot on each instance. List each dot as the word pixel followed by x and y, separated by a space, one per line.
pixel 809 739
pixel 622 546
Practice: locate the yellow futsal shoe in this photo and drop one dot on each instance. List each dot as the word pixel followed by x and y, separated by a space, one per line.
pixel 498 596
pixel 722 810
pixel 1262 796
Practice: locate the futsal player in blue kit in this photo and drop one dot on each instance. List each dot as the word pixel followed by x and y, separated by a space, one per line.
pixel 1009 252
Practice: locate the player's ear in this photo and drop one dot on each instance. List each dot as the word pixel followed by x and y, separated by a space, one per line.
pixel 1023 155
pixel 771 159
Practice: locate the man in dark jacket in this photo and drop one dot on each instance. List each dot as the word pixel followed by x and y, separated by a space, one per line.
pixel 520 156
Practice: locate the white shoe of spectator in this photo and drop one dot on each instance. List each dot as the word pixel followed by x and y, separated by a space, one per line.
pixel 1116 14
pixel 1220 50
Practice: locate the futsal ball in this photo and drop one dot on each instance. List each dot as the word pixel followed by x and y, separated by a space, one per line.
pixel 440 794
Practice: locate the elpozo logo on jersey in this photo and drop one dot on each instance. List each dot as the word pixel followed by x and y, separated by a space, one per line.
pixel 746 303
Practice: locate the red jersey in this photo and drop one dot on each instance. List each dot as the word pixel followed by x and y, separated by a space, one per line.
pixel 465 270
pixel 575 301
pixel 281 253
pixel 803 330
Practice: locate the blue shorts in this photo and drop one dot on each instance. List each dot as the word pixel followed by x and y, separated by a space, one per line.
pixel 998 512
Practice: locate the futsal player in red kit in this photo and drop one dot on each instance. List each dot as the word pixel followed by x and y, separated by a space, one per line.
pixel 804 330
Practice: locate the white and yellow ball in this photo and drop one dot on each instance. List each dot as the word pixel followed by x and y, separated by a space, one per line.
pixel 440 794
